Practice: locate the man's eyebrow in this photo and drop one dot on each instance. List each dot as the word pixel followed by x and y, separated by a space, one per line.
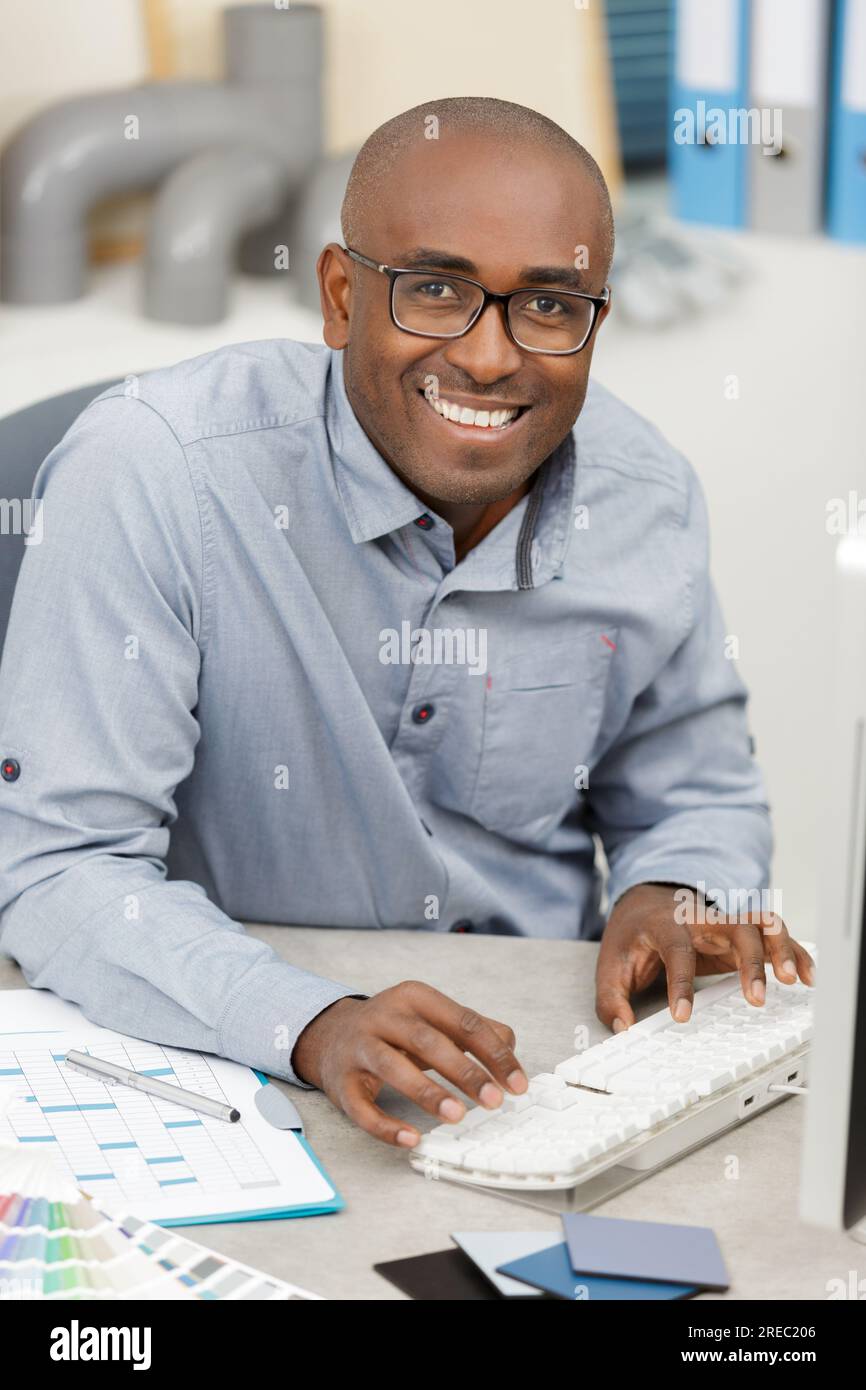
pixel 426 258
pixel 567 277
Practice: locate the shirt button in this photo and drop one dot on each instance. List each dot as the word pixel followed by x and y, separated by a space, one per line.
pixel 422 714
pixel 10 769
pixel 464 924
pixel 425 521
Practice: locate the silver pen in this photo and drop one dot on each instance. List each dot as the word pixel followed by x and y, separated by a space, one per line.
pixel 112 1073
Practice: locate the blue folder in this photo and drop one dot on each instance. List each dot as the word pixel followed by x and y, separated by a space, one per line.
pixel 709 180
pixel 846 179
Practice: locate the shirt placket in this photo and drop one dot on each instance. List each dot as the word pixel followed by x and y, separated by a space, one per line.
pixel 432 685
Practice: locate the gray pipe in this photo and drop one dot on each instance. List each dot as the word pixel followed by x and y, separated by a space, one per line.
pixel 315 220
pixel 86 148
pixel 199 215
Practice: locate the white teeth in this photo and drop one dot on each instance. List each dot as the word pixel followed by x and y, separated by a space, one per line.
pixel 464 415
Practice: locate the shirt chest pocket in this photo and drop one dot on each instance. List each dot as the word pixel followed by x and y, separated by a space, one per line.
pixel 542 715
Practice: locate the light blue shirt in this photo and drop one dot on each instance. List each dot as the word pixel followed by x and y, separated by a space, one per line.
pixel 209 690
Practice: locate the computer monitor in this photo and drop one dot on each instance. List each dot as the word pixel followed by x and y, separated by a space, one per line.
pixel 833 1178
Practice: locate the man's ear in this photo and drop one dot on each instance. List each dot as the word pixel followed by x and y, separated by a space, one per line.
pixel 603 313
pixel 333 270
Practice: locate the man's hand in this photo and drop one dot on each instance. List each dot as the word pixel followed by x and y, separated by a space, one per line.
pixel 356 1046
pixel 644 935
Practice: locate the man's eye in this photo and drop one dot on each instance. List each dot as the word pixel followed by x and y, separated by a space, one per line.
pixel 546 307
pixel 435 289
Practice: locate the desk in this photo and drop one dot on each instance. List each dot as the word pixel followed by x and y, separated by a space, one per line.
pixel 542 989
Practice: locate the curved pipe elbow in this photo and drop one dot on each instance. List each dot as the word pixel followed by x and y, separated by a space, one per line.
pixel 81 150
pixel 51 171
pixel 90 146
pixel 200 214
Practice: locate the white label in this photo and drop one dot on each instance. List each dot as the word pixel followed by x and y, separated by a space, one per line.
pixel 788 52
pixel 707 44
pixel 854 59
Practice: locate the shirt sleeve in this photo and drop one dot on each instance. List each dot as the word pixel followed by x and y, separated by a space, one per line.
pixel 98 696
pixel 678 797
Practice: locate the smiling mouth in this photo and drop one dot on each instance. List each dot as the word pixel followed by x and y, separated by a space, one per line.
pixel 488 421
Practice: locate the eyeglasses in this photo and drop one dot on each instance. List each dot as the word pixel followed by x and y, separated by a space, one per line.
pixel 446 306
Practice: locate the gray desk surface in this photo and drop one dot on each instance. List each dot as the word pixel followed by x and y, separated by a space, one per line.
pixel 542 989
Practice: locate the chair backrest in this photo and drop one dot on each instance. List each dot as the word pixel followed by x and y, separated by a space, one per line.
pixel 26 438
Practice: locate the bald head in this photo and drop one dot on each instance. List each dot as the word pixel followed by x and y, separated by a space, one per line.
pixel 510 125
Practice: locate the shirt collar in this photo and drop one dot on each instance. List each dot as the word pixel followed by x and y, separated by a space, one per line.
pixel 376 502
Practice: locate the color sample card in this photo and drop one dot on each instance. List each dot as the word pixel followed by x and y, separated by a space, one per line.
pixel 445 1275
pixel 610 1246
pixel 551 1271
pixel 490 1249
pixel 55 1243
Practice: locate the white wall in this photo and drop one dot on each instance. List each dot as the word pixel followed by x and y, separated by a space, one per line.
pixel 50 50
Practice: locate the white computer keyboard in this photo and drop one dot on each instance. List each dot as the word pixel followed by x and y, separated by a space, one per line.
pixel 638 1099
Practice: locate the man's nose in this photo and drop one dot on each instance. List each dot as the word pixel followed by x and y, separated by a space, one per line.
pixel 486 352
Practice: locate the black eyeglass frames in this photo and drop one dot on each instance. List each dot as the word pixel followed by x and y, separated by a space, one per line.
pixel 434 304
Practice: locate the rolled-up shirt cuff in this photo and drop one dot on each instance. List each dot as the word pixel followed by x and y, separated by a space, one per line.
pixel 678 875
pixel 266 1015
pixel 714 891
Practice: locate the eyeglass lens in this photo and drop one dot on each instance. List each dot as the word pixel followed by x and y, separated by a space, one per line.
pixel 443 306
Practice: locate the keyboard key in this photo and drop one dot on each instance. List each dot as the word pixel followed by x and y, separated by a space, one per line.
pixel 546 1081
pixel 554 1100
pixel 514 1104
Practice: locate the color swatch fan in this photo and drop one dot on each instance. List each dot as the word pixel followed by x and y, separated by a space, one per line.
pixel 55 1243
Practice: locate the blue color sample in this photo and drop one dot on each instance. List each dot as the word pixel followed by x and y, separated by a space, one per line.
pixel 612 1247
pixel 551 1271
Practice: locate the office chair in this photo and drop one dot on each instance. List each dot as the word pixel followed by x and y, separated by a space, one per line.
pixel 26 438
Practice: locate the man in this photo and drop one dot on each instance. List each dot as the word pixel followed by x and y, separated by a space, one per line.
pixel 381 635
